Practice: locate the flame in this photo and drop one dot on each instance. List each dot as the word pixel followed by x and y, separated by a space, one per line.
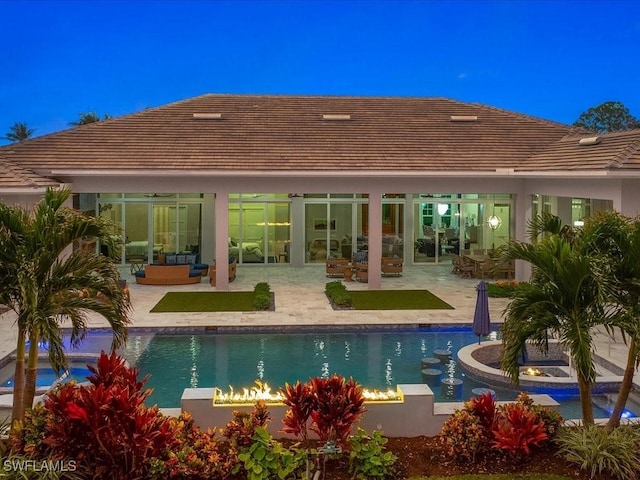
pixel 534 372
pixel 262 391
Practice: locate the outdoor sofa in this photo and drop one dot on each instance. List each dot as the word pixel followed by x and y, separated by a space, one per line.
pixel 168 275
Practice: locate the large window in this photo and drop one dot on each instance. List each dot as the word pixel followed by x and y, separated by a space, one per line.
pixel 259 228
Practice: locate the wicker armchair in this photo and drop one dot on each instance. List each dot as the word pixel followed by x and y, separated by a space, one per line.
pixel 335 267
pixel 391 266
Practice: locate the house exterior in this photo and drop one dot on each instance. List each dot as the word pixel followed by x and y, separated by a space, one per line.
pixel 293 180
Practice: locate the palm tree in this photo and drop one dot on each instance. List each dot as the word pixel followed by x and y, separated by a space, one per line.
pixel 18 132
pixel 47 286
pixel 85 118
pixel 563 298
pixel 617 239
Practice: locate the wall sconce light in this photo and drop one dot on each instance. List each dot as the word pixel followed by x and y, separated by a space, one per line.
pixel 494 222
pixel 442 208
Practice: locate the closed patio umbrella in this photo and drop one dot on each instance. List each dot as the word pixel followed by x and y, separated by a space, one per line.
pixel 481 320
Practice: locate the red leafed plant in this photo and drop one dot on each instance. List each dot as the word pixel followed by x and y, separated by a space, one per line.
pixel 300 400
pixel 484 407
pixel 333 404
pixel 339 404
pixel 105 423
pixel 517 429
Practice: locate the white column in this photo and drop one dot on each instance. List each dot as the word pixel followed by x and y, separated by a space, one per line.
pixel 222 240
pixel 375 240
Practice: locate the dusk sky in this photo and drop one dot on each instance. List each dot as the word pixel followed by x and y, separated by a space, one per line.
pixel 550 59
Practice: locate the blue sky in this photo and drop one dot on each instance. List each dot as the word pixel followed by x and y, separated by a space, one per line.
pixel 550 59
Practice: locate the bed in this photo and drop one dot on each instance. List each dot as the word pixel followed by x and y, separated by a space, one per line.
pixel 141 248
pixel 251 252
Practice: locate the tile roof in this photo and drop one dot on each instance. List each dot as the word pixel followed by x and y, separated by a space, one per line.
pixel 612 151
pixel 15 177
pixel 278 133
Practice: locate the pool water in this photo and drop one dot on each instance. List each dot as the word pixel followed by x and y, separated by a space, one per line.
pixel 376 360
pixel 46 376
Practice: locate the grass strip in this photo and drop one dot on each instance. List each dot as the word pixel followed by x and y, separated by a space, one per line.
pixel 511 476
pixel 205 302
pixel 397 300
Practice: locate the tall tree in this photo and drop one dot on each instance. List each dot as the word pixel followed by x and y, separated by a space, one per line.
pixel 47 286
pixel 607 117
pixel 564 298
pixel 617 239
pixel 88 117
pixel 18 132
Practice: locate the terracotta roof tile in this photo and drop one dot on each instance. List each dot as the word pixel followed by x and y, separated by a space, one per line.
pixel 14 177
pixel 277 133
pixel 614 151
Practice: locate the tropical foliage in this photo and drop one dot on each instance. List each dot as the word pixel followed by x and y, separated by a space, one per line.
pixel 19 132
pixel 582 279
pixel 85 118
pixel 513 428
pixel 616 452
pixel 48 284
pixel 327 406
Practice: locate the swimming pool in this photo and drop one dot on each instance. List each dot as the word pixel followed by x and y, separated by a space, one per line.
pixel 46 376
pixel 376 359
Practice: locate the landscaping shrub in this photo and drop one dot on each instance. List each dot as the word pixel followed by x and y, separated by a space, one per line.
pixel 331 404
pixel 266 458
pixel 105 423
pixel 502 288
pixel 241 429
pixel 262 296
pixel 338 294
pixel 517 429
pixel 513 428
pixel 616 453
pixel 463 436
pixel 367 458
pixel 107 430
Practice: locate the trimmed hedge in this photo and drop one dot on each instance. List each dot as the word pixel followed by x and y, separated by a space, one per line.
pixel 262 296
pixel 338 294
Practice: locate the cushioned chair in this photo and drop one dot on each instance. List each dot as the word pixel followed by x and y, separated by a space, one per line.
pixel 233 267
pixel 391 266
pixel 335 267
pixel 362 271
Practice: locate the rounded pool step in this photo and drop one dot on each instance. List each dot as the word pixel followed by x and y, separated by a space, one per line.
pixel 451 387
pixel 430 362
pixel 443 355
pixel 431 376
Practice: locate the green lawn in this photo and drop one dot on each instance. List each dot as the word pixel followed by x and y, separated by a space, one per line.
pixel 512 476
pixel 397 300
pixel 205 302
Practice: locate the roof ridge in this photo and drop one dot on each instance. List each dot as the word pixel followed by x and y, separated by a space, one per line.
pixel 619 160
pixel 521 115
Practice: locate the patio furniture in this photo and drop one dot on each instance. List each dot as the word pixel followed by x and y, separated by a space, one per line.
pixel 233 267
pixel 391 266
pixel 362 271
pixel 336 267
pixel 167 275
